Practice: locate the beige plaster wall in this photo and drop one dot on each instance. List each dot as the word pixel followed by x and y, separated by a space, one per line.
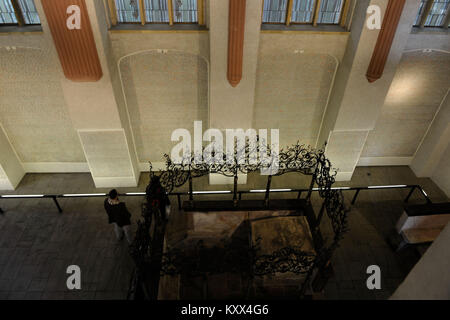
pixel 131 42
pixel 295 72
pixel 32 107
pixel 286 85
pixel 164 92
pixel 291 94
pixel 441 175
pixel 419 86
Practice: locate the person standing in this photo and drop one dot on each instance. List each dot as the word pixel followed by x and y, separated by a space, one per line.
pixel 118 215
pixel 157 198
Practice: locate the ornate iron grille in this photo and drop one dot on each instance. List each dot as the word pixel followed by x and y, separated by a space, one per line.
pixel 297 158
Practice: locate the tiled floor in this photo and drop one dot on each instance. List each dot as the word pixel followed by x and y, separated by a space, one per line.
pixel 37 243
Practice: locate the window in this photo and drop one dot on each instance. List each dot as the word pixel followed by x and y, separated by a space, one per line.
pixel 7 15
pixel 330 11
pixel 128 11
pixel 419 15
pixel 185 11
pixel 305 12
pixel 274 11
pixel 18 12
pixel 433 13
pixel 157 11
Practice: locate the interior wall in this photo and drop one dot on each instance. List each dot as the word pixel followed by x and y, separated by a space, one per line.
pixel 441 174
pixel 420 84
pixel 11 170
pixel 295 73
pixel 125 43
pixel 291 94
pixel 429 279
pixel 164 92
pixel 32 107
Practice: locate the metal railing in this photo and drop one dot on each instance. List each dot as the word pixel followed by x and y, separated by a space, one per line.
pixel 299 192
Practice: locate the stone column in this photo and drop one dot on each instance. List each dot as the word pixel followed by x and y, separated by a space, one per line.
pixel 98 111
pixel 355 103
pixel 231 102
pixel 232 107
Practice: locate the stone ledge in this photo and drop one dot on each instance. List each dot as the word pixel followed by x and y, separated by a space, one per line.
pixel 31 29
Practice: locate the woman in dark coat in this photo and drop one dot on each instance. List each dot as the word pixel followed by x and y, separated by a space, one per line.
pixel 118 215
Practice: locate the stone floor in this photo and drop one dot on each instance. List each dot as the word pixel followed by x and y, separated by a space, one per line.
pixel 37 243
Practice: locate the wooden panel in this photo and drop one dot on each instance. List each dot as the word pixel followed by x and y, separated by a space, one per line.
pixel 236 25
pixel 384 43
pixel 76 48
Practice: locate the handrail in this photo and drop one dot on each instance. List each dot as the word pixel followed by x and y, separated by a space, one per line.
pixel 299 192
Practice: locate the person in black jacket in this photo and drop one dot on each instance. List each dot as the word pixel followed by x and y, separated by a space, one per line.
pixel 118 215
pixel 157 197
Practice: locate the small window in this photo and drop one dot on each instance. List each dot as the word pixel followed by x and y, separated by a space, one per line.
pixel 433 13
pixel 437 13
pixel 29 12
pixel 185 11
pixel 7 14
pixel 330 11
pixel 275 11
pixel 18 12
pixel 157 11
pixel 305 12
pixel 421 9
pixel 128 11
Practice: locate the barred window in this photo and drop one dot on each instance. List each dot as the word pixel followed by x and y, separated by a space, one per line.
pixel 128 11
pixel 29 12
pixel 157 11
pixel 330 11
pixel 433 13
pixel 305 11
pixel 274 11
pixel 185 11
pixel 437 13
pixel 421 10
pixel 7 15
pixel 18 12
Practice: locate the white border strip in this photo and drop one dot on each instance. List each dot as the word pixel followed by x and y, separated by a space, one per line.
pixel 384 161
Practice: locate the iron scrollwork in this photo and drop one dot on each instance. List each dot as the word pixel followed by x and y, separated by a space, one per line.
pixel 297 158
